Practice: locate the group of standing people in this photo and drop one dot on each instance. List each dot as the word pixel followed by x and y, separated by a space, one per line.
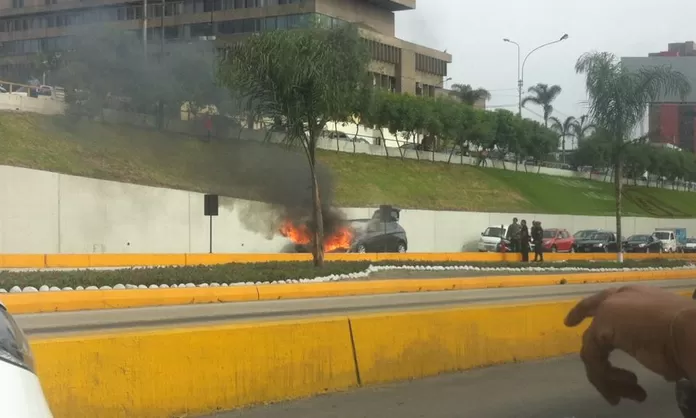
pixel 520 237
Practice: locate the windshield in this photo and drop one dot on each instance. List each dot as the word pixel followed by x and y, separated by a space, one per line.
pixel 549 233
pixel 584 234
pixel 601 236
pixel 493 232
pixel 636 238
pixel 359 226
pixel 662 235
pixel 374 226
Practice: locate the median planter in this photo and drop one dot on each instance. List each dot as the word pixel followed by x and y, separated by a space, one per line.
pixel 284 272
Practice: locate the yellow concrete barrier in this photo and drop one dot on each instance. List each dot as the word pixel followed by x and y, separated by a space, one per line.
pixel 150 260
pixel 199 370
pixel 20 303
pixel 412 345
pixel 174 373
pixel 23 260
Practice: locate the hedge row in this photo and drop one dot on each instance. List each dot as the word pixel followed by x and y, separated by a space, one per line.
pixel 255 272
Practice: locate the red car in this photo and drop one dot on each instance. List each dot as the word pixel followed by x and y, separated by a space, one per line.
pixel 558 240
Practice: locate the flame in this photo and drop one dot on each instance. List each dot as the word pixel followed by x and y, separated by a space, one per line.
pixel 301 235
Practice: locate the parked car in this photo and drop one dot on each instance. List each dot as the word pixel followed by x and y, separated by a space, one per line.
pixel 690 246
pixel 375 236
pixel 598 242
pixel 584 234
pixel 342 136
pixel 491 237
pixel 21 394
pixel 642 243
pixel 558 240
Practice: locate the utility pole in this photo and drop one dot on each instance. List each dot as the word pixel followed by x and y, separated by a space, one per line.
pixel 212 18
pixel 162 31
pixel 145 29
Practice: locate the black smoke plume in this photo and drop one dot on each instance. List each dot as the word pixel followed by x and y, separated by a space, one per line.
pixel 106 68
pixel 280 178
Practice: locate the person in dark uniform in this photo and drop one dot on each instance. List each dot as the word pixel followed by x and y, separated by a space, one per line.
pixel 513 235
pixel 537 238
pixel 524 241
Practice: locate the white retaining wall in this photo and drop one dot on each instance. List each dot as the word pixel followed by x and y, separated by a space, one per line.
pixel 44 212
pixel 42 104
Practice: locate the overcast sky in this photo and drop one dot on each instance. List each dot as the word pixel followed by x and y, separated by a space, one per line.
pixel 473 31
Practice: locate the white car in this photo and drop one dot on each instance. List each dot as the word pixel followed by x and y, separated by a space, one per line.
pixel 21 395
pixel 490 238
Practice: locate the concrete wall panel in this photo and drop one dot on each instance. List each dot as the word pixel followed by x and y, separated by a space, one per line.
pixel 105 216
pixel 29 211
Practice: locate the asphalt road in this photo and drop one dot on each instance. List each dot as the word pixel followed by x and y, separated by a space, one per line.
pixel 185 315
pixel 554 388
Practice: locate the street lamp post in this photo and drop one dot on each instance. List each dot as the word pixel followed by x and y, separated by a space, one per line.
pixel 444 81
pixel 145 29
pixel 521 63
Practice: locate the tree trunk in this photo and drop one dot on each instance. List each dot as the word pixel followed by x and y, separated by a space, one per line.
pixel 452 153
pixel 317 218
pixel 384 143
pixel 160 115
pixel 415 141
pixel 338 148
pixel 618 185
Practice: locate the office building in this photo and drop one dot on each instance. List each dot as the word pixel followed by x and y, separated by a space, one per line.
pixel 30 28
pixel 671 120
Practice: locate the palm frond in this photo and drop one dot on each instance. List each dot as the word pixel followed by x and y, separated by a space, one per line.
pixel 543 95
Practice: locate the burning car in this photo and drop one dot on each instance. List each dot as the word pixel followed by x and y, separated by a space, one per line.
pixel 301 236
pixel 377 234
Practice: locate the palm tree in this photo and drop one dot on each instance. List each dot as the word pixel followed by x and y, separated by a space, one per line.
pixel 543 95
pixel 618 99
pixel 583 128
pixel 467 94
pixel 564 129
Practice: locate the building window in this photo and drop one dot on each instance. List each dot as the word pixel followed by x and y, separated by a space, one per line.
pixel 17 4
pixel 430 65
pixel 383 82
pixel 171 8
pixel 383 52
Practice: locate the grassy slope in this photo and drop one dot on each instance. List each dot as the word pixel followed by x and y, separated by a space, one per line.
pixel 162 159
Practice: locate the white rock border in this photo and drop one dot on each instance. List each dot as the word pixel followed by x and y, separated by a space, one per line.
pixel 347 277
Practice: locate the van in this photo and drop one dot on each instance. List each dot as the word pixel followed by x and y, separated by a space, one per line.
pixel 491 237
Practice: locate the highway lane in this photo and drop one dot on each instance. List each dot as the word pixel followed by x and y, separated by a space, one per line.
pixel 63 323
pixel 555 388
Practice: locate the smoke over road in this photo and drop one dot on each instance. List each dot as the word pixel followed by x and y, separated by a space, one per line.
pixel 280 178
